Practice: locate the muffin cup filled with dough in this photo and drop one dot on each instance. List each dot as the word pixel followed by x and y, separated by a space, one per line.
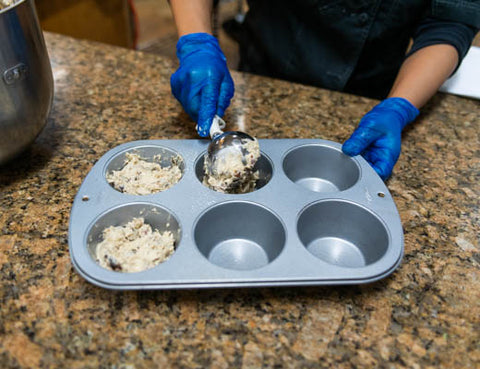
pixel 133 238
pixel 258 176
pixel 145 170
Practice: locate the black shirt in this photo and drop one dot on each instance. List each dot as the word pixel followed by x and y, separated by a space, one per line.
pixel 355 46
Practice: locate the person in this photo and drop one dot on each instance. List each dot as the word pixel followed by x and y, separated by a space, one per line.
pixel 360 47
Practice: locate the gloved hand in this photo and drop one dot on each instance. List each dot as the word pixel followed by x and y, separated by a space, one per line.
pixel 202 83
pixel 378 136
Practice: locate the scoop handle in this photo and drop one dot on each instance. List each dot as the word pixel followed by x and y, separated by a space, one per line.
pixel 217 125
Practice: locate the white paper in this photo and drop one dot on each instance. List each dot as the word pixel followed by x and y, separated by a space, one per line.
pixel 466 80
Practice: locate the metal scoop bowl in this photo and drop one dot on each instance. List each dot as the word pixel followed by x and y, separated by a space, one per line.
pixel 222 143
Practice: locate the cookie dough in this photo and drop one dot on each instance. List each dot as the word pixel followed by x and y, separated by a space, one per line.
pixel 6 3
pixel 134 247
pixel 234 171
pixel 141 177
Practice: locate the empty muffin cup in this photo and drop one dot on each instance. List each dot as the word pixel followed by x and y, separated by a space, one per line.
pixel 133 237
pixel 144 170
pixel 343 233
pixel 239 235
pixel 320 168
pixel 263 166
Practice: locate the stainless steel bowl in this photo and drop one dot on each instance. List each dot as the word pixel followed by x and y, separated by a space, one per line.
pixel 26 81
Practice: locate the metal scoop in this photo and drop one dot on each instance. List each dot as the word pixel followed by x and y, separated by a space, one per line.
pixel 223 143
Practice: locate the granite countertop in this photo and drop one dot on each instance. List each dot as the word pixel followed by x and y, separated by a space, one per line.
pixel 426 314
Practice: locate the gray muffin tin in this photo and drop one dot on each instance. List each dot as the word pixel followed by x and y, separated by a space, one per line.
pixel 317 217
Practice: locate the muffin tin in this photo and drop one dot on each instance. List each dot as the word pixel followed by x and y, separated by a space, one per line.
pixel 317 217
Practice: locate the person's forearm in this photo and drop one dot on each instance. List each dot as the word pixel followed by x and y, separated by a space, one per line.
pixel 192 16
pixel 423 72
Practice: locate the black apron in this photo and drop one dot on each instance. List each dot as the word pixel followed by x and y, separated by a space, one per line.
pixel 355 46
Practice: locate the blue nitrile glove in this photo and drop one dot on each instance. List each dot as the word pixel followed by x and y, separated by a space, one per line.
pixel 378 136
pixel 202 83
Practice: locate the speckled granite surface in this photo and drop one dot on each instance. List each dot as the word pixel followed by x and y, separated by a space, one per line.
pixel 425 315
